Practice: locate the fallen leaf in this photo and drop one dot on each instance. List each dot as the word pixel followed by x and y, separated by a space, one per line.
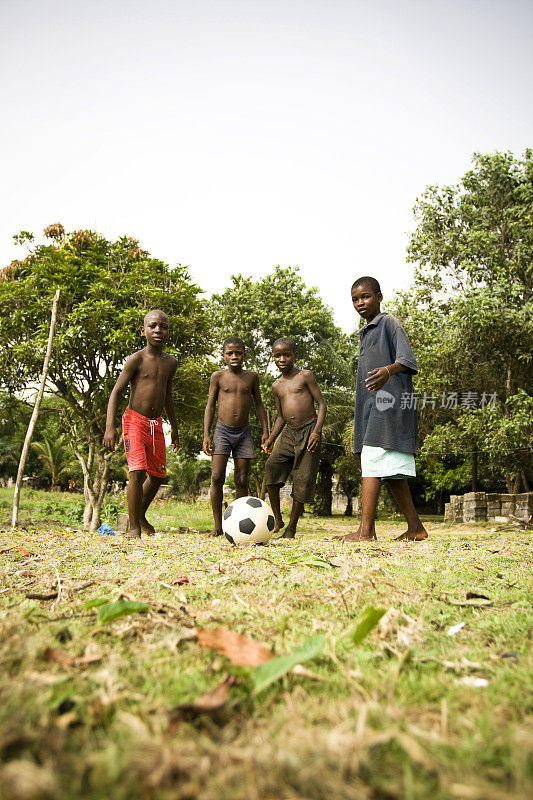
pixel 476 596
pixel 209 702
pixel 121 608
pixel 367 620
pixel 241 651
pixel 67 661
pixel 275 668
pixel 181 579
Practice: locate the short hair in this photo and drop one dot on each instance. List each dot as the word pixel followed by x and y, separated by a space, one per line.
pixel 154 311
pixel 233 340
pixel 366 280
pixel 284 340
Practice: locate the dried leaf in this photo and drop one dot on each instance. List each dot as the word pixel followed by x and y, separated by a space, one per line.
pixel 210 701
pixel 241 651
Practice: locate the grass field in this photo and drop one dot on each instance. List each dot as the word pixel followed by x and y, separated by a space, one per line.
pixel 98 709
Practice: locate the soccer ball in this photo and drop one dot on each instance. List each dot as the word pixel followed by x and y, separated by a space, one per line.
pixel 248 520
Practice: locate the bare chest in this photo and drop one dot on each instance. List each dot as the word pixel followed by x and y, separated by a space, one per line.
pixel 240 387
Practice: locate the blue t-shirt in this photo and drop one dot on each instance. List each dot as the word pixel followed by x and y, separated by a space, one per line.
pixel 386 418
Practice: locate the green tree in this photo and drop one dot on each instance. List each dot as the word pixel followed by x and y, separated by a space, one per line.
pixel 469 315
pixel 54 455
pixel 280 304
pixel 106 287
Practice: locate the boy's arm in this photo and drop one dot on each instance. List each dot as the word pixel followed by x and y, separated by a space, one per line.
pixel 171 412
pixel 404 359
pixel 277 427
pixel 209 413
pixel 318 397
pixel 111 436
pixel 260 409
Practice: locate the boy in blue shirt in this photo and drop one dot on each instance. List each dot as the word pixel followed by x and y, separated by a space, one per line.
pixel 385 427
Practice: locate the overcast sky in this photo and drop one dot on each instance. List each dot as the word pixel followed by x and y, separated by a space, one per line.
pixel 233 136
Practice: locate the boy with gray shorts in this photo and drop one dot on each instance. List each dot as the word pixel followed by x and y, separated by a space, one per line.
pixel 233 388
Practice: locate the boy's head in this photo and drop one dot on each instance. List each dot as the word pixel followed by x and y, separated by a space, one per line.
pixel 233 351
pixel 284 353
pixel 156 328
pixel 367 297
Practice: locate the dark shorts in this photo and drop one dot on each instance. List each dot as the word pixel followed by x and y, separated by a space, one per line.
pixel 235 442
pixel 290 453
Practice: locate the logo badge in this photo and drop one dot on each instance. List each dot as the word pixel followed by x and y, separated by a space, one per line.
pixel 384 400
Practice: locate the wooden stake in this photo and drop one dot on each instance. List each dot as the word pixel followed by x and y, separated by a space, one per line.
pixel 35 414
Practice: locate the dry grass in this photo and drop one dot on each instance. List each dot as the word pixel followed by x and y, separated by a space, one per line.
pixel 88 710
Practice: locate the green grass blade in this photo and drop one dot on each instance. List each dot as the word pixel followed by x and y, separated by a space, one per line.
pixel 121 608
pixel 364 624
pixel 270 671
pixel 95 602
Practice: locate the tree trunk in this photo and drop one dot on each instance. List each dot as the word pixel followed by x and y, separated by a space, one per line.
pixel 348 511
pixel 262 494
pixel 509 482
pixel 94 485
pixel 325 489
pixel 35 414
pixel 525 482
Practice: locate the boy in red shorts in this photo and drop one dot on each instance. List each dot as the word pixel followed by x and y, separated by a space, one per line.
pixel 149 373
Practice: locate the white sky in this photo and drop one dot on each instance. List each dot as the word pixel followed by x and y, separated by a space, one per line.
pixel 232 136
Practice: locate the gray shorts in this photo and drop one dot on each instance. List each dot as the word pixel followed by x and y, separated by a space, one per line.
pixel 290 453
pixel 235 442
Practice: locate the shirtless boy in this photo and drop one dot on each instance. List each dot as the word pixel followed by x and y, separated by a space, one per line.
pixel 233 388
pixel 298 448
pixel 149 373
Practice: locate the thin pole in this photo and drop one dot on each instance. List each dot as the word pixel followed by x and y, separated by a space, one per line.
pixel 35 414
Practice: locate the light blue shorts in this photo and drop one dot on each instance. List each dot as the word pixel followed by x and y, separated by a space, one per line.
pixel 376 462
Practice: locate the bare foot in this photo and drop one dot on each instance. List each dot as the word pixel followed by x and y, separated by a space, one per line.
pixel 279 525
pixel 289 534
pixel 412 536
pixel 214 532
pixel 134 533
pixel 147 527
pixel 359 536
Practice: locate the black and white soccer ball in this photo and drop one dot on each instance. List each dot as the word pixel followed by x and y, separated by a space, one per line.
pixel 248 520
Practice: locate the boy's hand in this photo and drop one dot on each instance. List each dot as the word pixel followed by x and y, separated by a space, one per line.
pixel 111 438
pixel 175 439
pixel 377 378
pixel 207 446
pixel 314 441
pixel 264 440
pixel 266 445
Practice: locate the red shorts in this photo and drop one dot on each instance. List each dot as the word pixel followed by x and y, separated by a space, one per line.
pixel 144 443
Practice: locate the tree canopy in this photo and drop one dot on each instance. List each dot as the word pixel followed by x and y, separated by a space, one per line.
pixel 106 288
pixel 469 316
